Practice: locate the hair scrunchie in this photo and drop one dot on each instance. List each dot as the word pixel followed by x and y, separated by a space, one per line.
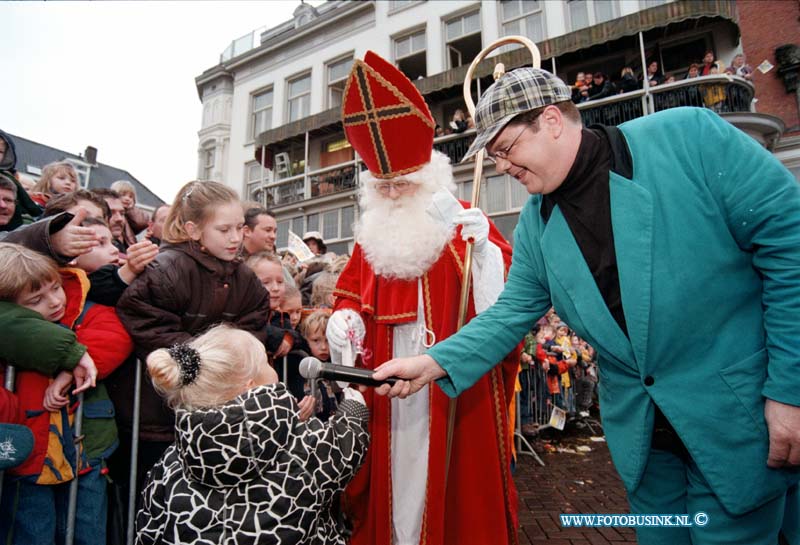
pixel 188 361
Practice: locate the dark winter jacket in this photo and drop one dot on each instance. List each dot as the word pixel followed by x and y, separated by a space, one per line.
pixel 180 294
pixel 185 291
pixel 26 210
pixel 251 472
pixel 38 236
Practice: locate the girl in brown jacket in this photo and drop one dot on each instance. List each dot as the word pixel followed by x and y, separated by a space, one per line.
pixel 194 283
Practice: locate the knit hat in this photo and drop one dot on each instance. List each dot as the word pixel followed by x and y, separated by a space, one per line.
pixel 16 444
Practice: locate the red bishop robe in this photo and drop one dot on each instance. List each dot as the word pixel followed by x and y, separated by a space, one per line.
pixel 481 501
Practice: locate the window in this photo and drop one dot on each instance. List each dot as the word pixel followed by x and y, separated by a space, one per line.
pixel 330 224
pixel 83 172
pixel 463 38
pixel 299 98
pixel 397 4
pixel 677 56
pixel 409 55
pixel 585 13
pixel 348 219
pixel 312 222
pixel 252 180
pixel 262 113
pixel 524 18
pixel 652 3
pixel 337 78
pixel 334 225
pixel 207 162
pixel 499 193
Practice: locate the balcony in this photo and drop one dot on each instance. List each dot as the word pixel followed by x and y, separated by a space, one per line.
pixel 721 93
pixel 730 96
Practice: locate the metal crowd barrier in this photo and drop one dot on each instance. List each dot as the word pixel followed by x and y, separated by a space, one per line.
pixel 539 402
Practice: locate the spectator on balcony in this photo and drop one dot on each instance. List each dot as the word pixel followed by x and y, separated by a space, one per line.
pixel 693 95
pixel 459 122
pixel 601 87
pixel 714 93
pixel 708 63
pixel 694 71
pixel 654 77
pixel 576 87
pixel 627 81
pixel 580 92
pixel 259 232
pixel 439 130
pixel 740 68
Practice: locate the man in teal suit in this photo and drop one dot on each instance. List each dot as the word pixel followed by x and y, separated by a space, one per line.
pixel 672 245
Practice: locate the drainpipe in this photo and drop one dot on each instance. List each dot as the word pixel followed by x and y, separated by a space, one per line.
pixel 647 99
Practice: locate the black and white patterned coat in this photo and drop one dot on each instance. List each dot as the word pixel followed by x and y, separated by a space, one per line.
pixel 251 472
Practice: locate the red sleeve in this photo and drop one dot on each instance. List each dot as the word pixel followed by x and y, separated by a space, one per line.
pixel 348 287
pixel 541 355
pixel 106 339
pixel 9 407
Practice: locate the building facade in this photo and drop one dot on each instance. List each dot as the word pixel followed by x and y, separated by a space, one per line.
pixel 271 125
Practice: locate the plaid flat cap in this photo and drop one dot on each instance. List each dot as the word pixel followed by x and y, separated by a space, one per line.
pixel 518 91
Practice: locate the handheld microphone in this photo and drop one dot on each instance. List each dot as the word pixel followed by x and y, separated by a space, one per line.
pixel 312 368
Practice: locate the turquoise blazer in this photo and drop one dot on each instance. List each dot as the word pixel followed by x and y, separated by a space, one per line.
pixel 707 237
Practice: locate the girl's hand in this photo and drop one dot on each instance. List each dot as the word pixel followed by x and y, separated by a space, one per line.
pixel 306 406
pixel 55 396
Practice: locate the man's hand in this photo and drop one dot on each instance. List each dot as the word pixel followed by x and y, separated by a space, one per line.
pixel 417 372
pixel 85 374
pixel 783 423
pixel 55 395
pixel 74 240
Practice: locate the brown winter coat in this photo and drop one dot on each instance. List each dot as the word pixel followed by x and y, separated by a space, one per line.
pixel 182 293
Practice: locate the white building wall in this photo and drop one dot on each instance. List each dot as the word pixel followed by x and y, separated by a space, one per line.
pixel 373 33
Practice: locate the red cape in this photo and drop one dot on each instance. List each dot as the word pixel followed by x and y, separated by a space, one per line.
pixel 481 501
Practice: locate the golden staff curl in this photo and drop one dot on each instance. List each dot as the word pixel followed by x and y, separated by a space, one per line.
pixel 477 177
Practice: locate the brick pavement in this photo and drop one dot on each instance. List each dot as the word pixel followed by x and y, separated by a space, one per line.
pixel 569 483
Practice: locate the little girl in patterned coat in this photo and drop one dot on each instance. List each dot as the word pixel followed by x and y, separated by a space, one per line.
pixel 244 469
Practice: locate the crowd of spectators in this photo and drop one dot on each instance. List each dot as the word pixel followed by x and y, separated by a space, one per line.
pixel 594 86
pixel 90 282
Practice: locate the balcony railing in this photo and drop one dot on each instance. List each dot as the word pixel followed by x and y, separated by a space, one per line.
pixel 722 93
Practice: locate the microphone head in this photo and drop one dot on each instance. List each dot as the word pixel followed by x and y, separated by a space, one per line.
pixel 310 367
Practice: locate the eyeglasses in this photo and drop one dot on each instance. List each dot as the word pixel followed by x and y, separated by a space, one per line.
pixel 503 153
pixel 401 186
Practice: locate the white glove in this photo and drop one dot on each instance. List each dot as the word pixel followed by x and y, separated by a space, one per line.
pixel 344 327
pixel 475 226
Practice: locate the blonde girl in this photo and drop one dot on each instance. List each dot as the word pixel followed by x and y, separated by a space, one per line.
pixel 57 179
pixel 240 451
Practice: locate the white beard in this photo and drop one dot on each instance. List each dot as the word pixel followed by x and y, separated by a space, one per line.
pixel 399 238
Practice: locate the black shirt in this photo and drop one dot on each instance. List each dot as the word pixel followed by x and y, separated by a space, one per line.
pixel 584 199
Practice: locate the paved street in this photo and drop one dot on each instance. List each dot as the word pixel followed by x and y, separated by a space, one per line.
pixel 580 482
